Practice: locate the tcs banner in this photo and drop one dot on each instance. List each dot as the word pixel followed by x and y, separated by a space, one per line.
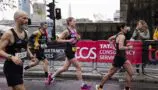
pixel 135 55
pixel 86 51
pixel 102 51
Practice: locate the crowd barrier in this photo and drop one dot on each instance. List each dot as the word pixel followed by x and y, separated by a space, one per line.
pixel 150 51
pixel 97 51
pixel 101 51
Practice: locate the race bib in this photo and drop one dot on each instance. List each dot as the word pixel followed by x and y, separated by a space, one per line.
pixel 21 55
pixel 43 46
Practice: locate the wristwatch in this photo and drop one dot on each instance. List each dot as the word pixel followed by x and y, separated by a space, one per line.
pixel 9 56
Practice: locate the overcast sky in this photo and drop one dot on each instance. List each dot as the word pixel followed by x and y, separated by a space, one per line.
pixel 87 8
pixel 82 8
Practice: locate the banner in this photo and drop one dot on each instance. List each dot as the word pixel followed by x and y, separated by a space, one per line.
pixel 105 51
pixel 55 51
pixel 86 51
pixel 135 55
pixel 102 51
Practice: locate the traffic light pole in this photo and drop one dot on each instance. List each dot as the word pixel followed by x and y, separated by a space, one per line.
pixel 52 16
pixel 53 30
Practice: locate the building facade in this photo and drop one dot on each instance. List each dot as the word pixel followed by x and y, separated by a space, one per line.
pixel 25 6
pixel 133 10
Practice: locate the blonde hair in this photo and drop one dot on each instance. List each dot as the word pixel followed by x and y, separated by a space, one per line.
pixel 144 25
pixel 69 19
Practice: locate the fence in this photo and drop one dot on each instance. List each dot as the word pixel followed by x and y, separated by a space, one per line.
pixel 150 58
pixel 98 55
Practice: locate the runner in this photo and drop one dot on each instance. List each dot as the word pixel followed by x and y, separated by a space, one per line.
pixel 37 44
pixel 120 59
pixel 14 48
pixel 70 37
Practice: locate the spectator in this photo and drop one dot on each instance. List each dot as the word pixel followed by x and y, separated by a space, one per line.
pixel 155 35
pixel 141 33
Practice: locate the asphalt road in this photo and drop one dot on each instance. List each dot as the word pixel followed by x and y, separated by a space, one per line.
pixel 71 84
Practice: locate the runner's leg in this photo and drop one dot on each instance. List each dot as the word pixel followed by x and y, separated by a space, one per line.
pixel 127 65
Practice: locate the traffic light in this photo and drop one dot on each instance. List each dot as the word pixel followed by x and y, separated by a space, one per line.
pixel 58 13
pixel 51 10
pixel 29 21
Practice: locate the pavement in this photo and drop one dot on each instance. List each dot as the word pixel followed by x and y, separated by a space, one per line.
pixel 37 71
pixel 72 84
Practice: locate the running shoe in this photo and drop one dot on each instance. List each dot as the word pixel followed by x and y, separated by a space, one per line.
pixel 98 87
pixel 49 79
pixel 85 87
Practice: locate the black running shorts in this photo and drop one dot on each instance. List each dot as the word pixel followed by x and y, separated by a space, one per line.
pixel 39 53
pixel 70 52
pixel 13 73
pixel 118 61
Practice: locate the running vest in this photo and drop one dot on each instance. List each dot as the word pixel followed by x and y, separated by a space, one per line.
pixel 19 47
pixel 41 39
pixel 119 52
pixel 73 34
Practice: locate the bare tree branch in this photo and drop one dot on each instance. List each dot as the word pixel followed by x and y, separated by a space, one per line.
pixel 7 4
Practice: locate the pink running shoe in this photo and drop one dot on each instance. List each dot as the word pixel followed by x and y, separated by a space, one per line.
pixel 49 79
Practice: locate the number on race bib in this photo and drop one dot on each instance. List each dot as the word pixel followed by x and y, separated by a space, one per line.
pixel 21 55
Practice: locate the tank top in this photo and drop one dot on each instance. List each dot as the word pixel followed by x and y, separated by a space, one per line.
pixel 119 52
pixel 19 47
pixel 72 34
pixel 41 39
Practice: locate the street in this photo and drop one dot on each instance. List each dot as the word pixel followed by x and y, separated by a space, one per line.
pixel 71 84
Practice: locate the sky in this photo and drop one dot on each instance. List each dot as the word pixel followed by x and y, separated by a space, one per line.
pixel 105 9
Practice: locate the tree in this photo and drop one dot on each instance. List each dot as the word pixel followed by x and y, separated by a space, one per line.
pixel 5 4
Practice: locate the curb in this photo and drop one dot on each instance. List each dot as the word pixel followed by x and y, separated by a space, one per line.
pixel 140 78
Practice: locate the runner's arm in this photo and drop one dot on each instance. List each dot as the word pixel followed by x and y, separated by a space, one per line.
pixel 29 51
pixel 62 37
pixel 28 44
pixel 112 38
pixel 146 35
pixel 5 39
pixel 121 43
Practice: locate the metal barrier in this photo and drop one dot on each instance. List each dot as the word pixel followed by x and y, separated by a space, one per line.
pixel 150 58
pixel 98 55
